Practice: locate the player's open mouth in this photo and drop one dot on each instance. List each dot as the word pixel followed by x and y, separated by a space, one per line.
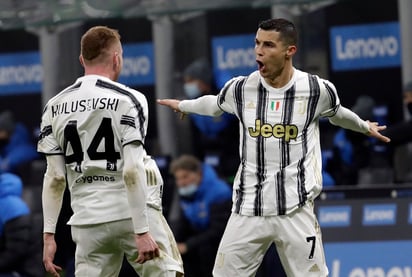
pixel 260 65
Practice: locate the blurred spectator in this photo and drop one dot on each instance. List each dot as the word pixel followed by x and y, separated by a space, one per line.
pixel 205 203
pixel 401 133
pixel 401 136
pixel 215 139
pixel 351 150
pixel 19 253
pixel 17 147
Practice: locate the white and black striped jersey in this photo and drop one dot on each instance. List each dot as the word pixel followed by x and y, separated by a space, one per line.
pixel 88 123
pixel 279 143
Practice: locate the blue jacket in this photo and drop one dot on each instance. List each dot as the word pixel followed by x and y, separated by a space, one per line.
pixel 18 151
pixel 212 190
pixel 11 203
pixel 211 126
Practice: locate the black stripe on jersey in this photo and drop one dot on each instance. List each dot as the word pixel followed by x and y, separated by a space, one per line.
pixel 240 106
pixel 223 92
pixel 332 97
pixel 314 94
pixel 47 130
pixel 261 113
pixel 128 120
pixel 140 114
pixel 287 116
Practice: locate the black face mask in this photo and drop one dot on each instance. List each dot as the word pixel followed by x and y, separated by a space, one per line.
pixel 4 142
pixel 409 106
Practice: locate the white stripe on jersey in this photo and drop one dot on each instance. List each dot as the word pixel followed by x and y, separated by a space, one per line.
pixel 89 123
pixel 279 140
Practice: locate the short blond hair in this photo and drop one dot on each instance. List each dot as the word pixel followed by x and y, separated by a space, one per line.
pixel 96 42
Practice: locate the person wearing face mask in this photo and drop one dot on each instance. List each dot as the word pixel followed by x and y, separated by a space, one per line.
pixel 205 202
pixel 213 137
pixel 17 148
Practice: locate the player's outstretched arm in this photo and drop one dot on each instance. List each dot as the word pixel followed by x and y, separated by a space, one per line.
pixel 204 105
pixel 171 103
pixel 347 119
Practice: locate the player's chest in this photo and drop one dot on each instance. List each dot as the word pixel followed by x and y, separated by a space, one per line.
pixel 276 117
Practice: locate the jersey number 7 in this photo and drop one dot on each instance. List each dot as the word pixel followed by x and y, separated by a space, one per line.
pixel 104 131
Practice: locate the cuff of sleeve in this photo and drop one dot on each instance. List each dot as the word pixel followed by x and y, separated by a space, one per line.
pixel 141 230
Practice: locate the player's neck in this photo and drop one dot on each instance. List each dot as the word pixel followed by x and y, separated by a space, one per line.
pixel 282 79
pixel 98 71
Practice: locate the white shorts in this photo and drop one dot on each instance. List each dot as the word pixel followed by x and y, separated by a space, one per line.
pixel 297 238
pixel 100 248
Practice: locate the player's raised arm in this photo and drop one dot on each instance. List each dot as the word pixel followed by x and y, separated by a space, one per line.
pixel 205 105
pixel 347 119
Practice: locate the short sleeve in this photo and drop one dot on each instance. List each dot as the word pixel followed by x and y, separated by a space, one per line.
pixel 329 100
pixel 134 121
pixel 226 96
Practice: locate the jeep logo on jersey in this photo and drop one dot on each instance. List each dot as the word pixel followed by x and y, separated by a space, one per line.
pixel 280 131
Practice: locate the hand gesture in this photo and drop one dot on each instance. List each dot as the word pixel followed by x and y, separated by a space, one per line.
pixel 49 250
pixel 147 247
pixel 374 130
pixel 173 104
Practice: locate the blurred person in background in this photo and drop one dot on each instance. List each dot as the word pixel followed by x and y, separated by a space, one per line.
pixel 205 202
pixel 401 137
pixel 17 147
pixel 214 138
pixel 20 252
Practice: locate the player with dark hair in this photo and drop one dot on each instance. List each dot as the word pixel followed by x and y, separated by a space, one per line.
pixel 280 171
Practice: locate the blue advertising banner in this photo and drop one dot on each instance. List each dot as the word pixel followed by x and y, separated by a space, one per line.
pixel 233 56
pixel 334 216
pixel 369 259
pixel 138 64
pixel 379 214
pixel 365 46
pixel 20 73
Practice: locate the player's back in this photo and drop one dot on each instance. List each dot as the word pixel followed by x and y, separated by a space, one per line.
pixel 91 121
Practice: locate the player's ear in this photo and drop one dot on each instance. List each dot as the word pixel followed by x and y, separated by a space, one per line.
pixel 81 60
pixel 116 60
pixel 290 51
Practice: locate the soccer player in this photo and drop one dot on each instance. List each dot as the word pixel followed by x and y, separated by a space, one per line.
pixel 93 134
pixel 279 176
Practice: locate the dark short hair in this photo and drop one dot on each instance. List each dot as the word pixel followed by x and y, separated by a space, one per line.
pixel 96 40
pixel 286 28
pixel 186 162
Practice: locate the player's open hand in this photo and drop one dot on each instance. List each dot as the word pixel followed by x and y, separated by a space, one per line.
pixel 147 247
pixel 49 250
pixel 374 131
pixel 173 104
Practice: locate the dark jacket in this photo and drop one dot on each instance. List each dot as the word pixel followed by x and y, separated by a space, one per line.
pixel 202 223
pixel 20 247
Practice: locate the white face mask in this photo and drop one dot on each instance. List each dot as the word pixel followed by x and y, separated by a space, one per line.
pixel 191 90
pixel 187 191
